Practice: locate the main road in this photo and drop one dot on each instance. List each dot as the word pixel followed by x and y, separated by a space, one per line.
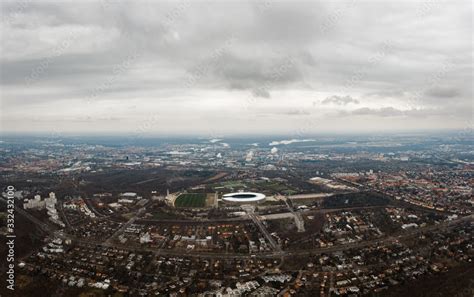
pixel 250 212
pixel 285 253
pixel 276 253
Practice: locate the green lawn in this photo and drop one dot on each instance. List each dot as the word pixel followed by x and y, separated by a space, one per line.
pixel 191 200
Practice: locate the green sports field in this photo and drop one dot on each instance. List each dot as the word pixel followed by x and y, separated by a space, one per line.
pixel 191 200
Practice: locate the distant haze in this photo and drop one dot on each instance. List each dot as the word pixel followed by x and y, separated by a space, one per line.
pixel 223 68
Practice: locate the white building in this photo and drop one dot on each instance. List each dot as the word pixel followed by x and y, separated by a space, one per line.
pixel 129 195
pixel 37 203
pixel 145 238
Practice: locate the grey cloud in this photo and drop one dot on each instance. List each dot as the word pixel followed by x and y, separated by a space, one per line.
pixel 386 93
pixel 260 76
pixel 442 92
pixel 387 112
pixel 280 51
pixel 297 112
pixel 384 112
pixel 259 92
pixel 340 100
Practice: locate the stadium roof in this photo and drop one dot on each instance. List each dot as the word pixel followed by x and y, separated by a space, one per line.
pixel 243 197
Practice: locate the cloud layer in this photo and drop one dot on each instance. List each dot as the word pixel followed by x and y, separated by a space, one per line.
pixel 185 67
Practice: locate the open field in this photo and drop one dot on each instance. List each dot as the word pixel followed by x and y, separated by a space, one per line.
pixel 268 187
pixel 191 200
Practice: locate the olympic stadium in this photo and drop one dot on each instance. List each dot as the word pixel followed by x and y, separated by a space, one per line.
pixel 244 197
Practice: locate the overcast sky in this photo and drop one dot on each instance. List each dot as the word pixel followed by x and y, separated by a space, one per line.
pixel 222 68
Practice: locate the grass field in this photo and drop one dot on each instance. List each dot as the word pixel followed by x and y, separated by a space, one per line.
pixel 191 200
pixel 234 185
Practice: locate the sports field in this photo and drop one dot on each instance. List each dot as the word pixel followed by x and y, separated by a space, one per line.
pixel 191 200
